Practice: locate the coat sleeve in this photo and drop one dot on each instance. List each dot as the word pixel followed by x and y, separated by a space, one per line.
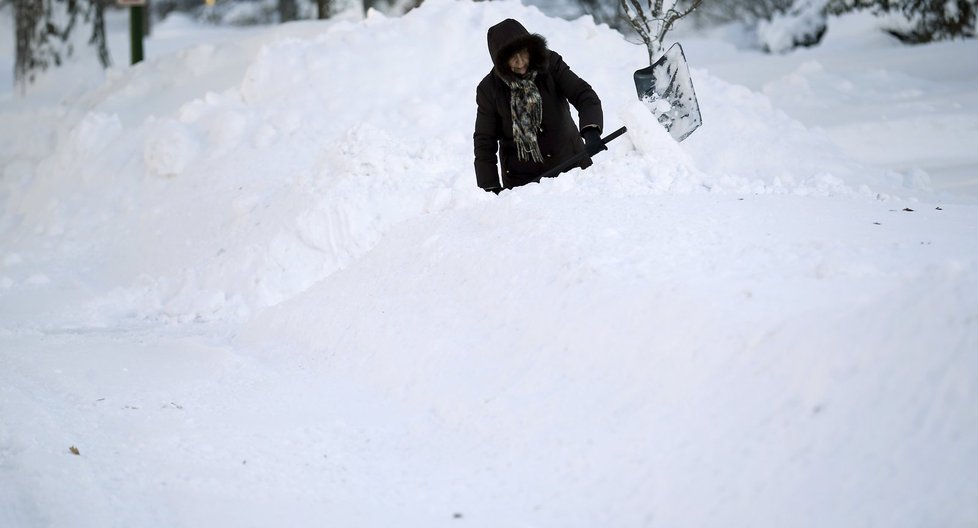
pixel 578 92
pixel 486 139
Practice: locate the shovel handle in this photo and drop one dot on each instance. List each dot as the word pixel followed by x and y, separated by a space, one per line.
pixel 614 135
pixel 576 158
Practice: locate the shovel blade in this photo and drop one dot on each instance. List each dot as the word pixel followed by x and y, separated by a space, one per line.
pixel 667 88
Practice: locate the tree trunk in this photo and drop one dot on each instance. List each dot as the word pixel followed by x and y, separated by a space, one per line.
pixel 28 15
pixel 98 32
pixel 652 19
pixel 287 10
pixel 324 9
pixel 147 19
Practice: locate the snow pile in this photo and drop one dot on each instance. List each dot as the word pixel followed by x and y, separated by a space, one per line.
pixel 330 133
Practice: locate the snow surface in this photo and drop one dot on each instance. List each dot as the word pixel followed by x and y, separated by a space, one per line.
pixel 253 283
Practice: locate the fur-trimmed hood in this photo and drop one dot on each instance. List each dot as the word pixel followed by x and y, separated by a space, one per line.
pixel 508 37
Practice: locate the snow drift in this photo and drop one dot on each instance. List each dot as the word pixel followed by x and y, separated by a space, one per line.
pixel 331 133
pixel 253 282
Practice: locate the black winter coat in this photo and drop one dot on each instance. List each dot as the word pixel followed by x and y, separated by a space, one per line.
pixel 559 138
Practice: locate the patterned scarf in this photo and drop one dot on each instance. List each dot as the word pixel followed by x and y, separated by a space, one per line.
pixel 526 107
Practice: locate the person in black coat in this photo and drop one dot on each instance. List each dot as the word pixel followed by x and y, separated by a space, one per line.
pixel 523 111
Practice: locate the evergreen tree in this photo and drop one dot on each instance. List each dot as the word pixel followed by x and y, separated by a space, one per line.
pixel 44 30
pixel 929 19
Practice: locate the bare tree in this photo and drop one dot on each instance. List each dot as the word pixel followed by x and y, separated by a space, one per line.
pixel 652 19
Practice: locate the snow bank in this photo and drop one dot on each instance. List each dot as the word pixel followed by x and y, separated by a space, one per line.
pixel 320 137
pixel 683 348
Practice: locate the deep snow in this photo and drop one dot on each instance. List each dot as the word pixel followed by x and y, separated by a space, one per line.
pixel 253 282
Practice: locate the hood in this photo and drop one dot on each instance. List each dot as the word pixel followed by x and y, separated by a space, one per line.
pixel 508 37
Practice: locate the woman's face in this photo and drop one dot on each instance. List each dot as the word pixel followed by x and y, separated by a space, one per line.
pixel 519 62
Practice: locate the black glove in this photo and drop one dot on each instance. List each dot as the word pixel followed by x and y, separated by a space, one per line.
pixel 592 141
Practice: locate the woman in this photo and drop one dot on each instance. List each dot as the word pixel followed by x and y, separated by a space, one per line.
pixel 523 111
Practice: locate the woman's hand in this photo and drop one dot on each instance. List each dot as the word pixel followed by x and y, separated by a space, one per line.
pixel 592 141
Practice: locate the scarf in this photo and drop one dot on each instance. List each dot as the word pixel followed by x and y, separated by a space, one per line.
pixel 526 107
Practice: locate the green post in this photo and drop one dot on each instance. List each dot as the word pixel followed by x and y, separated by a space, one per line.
pixel 136 32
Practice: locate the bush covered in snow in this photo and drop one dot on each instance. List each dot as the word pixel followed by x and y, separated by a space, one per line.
pixel 782 25
pixel 803 24
pixel 925 20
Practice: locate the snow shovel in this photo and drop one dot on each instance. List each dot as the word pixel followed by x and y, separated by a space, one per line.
pixel 576 158
pixel 667 89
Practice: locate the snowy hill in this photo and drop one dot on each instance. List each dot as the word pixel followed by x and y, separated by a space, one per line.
pixel 253 282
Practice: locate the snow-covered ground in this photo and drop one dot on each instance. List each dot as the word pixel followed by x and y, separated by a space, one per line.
pixel 252 282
